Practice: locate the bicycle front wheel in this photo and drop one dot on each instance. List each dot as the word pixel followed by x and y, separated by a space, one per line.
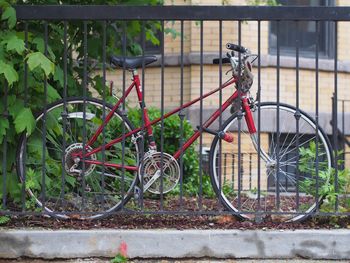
pixel 65 186
pixel 281 182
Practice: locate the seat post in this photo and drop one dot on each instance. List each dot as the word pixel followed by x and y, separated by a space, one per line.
pixel 134 73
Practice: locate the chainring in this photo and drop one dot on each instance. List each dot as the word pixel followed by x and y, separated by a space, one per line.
pixel 159 178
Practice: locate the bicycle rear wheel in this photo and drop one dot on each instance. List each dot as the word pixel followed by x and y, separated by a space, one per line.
pixel 285 181
pixel 60 185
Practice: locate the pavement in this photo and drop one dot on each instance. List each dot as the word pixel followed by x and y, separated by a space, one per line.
pixel 96 260
pixel 158 244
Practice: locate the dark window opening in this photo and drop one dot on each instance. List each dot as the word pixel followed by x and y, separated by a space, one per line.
pixel 304 31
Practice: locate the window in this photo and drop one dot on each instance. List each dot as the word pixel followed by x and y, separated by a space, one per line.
pixel 305 31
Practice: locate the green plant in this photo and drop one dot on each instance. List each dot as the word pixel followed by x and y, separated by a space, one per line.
pixel 23 96
pixel 17 111
pixel 4 220
pixel 122 256
pixel 325 181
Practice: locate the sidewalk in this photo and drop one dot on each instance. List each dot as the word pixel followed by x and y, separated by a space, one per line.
pixel 177 244
pixel 182 261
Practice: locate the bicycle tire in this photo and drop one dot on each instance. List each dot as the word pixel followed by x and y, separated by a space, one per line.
pixel 99 201
pixel 246 207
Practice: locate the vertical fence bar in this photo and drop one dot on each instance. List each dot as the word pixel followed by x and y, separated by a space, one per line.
pixel 220 109
pixel 201 120
pixel 43 161
pixel 233 172
pixel 24 179
pixel 4 149
pixel 317 112
pixel 278 118
pixel 64 113
pixel 259 120
pixel 335 121
pixel 162 122
pixel 104 81
pixel 343 133
pixel 181 113
pixel 143 44
pixel 84 110
pixel 239 116
pixel 297 113
pixel 123 113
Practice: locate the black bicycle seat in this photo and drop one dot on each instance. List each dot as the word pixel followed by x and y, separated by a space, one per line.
pixel 132 62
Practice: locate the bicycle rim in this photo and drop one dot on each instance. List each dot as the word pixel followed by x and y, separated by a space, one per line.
pixel 96 190
pixel 284 181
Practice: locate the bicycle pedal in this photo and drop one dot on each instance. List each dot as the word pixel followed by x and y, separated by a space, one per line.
pixel 137 192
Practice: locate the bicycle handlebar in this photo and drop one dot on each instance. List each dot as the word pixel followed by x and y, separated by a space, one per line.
pixel 237 48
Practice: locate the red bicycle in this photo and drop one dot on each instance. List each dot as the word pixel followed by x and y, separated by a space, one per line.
pixel 93 163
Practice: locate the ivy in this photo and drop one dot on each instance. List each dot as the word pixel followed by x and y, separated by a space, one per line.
pixel 44 62
pixel 39 60
pixel 16 110
pixel 10 74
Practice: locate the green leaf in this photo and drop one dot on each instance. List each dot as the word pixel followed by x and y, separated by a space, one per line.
pixel 4 125
pixel 25 121
pixel 9 72
pixel 2 52
pixel 58 76
pixel 52 93
pixel 152 37
pixel 10 15
pixel 38 59
pixel 15 108
pixel 14 43
pixel 40 45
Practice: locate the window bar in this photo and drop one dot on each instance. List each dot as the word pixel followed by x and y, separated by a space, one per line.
pixel 104 43
pixel 84 112
pixel 259 117
pixel 335 135
pixel 43 160
pixel 23 189
pixel 124 114
pixel 278 118
pixel 239 116
pixel 220 116
pixel 297 113
pixel 142 150
pixel 317 112
pixel 181 113
pixel 162 122
pixel 4 148
pixel 64 114
pixel 200 201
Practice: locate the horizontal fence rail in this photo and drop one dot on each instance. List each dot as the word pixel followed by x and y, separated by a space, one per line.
pixel 135 114
pixel 182 13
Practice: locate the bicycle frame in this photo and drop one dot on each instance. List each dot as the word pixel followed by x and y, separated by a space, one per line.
pixel 148 123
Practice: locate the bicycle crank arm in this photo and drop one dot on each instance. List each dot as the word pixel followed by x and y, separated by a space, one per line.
pixel 151 181
pixel 226 136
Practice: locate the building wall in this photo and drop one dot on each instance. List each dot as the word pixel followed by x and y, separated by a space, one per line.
pixel 249 38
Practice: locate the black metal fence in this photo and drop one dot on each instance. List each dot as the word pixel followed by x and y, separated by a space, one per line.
pixel 290 167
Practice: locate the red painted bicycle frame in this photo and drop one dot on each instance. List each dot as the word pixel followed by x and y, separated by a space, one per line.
pixel 148 124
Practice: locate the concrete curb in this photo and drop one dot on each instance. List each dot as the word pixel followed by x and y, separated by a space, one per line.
pixel 316 244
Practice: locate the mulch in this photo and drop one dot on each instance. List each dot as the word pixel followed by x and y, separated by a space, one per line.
pixel 129 220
